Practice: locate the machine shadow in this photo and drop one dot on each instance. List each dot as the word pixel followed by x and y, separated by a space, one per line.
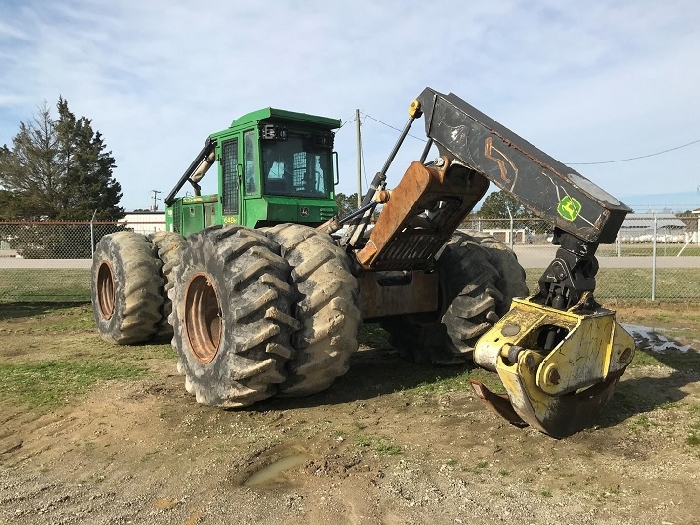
pixel 381 370
pixel 372 373
pixel 639 394
pixel 18 310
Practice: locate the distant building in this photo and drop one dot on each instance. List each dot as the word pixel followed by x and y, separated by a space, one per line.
pixel 639 227
pixel 520 236
pixel 145 222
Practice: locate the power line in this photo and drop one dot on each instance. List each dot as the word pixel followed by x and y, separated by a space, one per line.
pixel 577 163
pixel 638 158
pixel 343 122
pixel 392 127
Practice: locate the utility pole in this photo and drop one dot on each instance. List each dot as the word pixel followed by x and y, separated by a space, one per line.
pixel 359 159
pixel 154 206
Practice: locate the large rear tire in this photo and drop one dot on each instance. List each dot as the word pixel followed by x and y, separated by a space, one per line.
pixel 231 316
pixel 326 307
pixel 125 285
pixel 169 246
pixel 478 279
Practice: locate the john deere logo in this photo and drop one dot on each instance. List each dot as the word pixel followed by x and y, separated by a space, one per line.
pixel 569 208
pixel 304 211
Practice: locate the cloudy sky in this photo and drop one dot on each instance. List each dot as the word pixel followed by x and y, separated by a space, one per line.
pixel 583 81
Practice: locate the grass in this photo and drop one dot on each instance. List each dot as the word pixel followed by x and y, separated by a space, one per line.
pixel 47 385
pixel 478 469
pixel 388 449
pixel 635 283
pixel 643 422
pixel 687 362
pixel 372 335
pixel 693 439
pixel 61 285
pixel 51 317
pixel 51 355
pixel 381 445
pixel 39 284
pixel 457 383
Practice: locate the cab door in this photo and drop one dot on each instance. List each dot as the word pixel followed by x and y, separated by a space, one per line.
pixel 251 179
pixel 230 182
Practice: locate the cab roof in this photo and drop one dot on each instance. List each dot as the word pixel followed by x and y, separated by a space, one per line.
pixel 290 116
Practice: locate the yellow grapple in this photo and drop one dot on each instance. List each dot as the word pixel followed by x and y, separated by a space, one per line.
pixel 558 367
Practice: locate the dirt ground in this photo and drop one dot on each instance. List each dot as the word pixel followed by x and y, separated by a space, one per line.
pixel 390 442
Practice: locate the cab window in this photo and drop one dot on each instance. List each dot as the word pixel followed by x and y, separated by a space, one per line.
pixel 296 167
pixel 249 155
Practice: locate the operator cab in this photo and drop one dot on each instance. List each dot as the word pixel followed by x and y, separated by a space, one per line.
pixel 274 166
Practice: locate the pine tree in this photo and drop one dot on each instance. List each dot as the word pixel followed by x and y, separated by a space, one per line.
pixel 58 170
pixel 346 203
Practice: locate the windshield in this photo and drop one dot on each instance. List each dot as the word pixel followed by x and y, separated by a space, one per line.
pixel 296 167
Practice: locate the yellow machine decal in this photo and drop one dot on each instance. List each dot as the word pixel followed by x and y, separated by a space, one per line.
pixel 569 208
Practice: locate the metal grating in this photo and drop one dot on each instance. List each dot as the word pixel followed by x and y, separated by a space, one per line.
pixel 229 163
pixel 299 170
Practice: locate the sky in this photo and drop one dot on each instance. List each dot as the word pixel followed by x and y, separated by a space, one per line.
pixel 583 81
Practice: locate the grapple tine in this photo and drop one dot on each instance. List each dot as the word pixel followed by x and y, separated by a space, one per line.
pixel 499 403
pixel 565 415
pixel 561 416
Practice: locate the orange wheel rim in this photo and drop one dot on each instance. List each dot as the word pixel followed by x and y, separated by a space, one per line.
pixel 202 318
pixel 105 290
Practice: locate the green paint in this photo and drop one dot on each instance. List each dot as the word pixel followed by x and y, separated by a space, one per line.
pixel 273 166
pixel 569 208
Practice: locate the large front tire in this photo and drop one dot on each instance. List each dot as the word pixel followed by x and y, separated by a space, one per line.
pixel 231 316
pixel 326 307
pixel 125 285
pixel 478 279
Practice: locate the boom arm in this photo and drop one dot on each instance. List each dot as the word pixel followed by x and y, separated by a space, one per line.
pixel 583 214
pixel 549 188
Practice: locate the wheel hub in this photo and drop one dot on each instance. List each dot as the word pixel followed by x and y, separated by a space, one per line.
pixel 105 290
pixel 202 318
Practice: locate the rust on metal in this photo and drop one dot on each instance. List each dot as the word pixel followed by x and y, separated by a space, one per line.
pixel 106 292
pixel 383 196
pixel 423 212
pixel 397 293
pixel 565 414
pixel 202 318
pixel 552 375
pixel 499 403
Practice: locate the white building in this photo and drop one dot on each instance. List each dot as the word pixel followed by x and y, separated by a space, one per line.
pixel 144 222
pixel 640 227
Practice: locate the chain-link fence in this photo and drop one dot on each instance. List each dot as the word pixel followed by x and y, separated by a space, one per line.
pixel 50 261
pixel 655 257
